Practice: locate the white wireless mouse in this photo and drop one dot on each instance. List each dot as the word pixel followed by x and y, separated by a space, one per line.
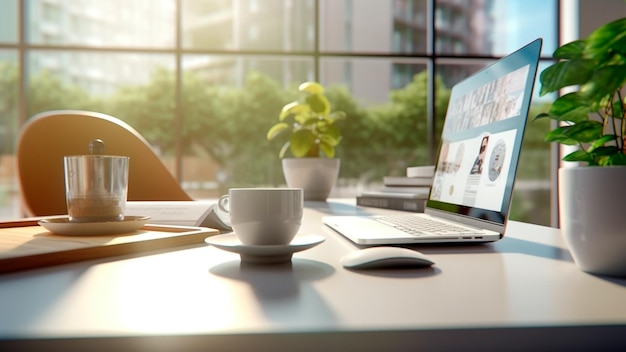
pixel 385 257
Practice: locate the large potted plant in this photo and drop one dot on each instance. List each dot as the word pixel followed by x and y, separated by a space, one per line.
pixel 312 135
pixel 592 196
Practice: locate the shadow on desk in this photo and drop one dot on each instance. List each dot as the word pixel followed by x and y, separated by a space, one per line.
pixel 505 245
pixel 512 245
pixel 400 273
pixel 284 285
pixel 300 270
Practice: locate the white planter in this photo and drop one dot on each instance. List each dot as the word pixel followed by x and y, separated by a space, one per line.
pixel 592 210
pixel 316 176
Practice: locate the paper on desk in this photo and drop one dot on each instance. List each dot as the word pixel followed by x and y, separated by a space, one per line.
pixel 179 213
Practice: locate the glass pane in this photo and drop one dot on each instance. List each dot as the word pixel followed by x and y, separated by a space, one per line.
pixel 259 25
pixel 122 23
pixel 9 83
pixel 531 197
pixel 8 21
pixel 375 26
pixel 137 88
pixel 229 103
pixel 452 71
pixel 494 27
pixel 9 77
pixel 385 102
pixel 227 125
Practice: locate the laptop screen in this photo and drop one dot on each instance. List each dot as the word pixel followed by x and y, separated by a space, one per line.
pixel 482 136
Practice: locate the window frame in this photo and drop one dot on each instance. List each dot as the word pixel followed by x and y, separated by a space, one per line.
pixel 431 56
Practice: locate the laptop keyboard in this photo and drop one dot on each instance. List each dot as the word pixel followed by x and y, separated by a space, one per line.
pixel 418 226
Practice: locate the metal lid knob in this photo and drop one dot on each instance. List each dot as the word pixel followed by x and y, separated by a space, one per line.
pixel 96 147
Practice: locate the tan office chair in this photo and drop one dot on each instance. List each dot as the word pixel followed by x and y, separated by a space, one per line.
pixel 48 136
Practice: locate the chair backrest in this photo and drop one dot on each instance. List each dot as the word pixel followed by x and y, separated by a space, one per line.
pixel 47 137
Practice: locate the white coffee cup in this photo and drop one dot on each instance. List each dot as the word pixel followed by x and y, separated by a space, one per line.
pixel 264 216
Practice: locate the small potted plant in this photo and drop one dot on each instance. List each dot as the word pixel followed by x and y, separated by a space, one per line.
pixel 312 135
pixel 591 116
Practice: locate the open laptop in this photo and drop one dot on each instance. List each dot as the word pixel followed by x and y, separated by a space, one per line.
pixel 476 165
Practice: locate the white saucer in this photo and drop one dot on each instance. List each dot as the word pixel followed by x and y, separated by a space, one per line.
pixel 270 254
pixel 63 226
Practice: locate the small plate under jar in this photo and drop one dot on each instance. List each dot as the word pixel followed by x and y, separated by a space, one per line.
pixel 63 226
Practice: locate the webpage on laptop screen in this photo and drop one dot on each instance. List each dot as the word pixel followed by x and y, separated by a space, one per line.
pixel 478 143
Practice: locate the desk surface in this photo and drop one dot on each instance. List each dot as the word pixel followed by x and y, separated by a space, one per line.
pixel 522 292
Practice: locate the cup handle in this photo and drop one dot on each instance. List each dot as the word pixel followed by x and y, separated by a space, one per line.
pixel 223 204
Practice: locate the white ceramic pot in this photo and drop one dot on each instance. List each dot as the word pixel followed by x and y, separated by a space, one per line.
pixel 592 211
pixel 316 176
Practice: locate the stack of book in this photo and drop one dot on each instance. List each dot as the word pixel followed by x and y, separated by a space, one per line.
pixel 401 192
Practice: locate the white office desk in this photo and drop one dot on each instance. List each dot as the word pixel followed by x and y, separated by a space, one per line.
pixel 521 293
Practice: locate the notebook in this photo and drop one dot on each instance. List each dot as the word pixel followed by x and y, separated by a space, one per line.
pixel 475 171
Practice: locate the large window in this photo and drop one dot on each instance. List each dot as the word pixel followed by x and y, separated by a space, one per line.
pixel 203 80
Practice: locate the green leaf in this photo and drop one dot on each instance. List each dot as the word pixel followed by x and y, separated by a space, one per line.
pixel 605 151
pixel 600 142
pixel 564 74
pixel 330 134
pixel 618 109
pixel 584 131
pixel 329 140
pixel 311 88
pixel 578 155
pixel 311 121
pixel 276 130
pixel 541 116
pixel 319 104
pixel 293 108
pixel 570 51
pixel 558 135
pixel 284 149
pixel 616 159
pixel 603 42
pixel 605 81
pixel 301 118
pixel 570 107
pixel 327 149
pixel 301 141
